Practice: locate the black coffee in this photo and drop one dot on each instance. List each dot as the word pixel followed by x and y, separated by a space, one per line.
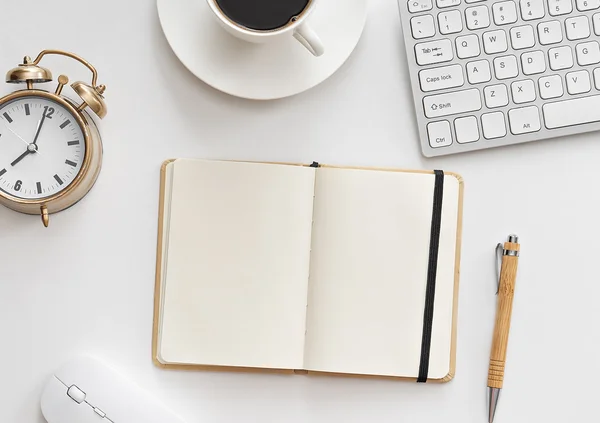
pixel 262 15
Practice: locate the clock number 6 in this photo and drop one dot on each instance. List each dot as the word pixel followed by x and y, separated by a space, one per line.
pixel 48 112
pixel 18 185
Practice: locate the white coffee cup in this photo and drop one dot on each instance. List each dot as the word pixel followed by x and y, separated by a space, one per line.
pixel 298 28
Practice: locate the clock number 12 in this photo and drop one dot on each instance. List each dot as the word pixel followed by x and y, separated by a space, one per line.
pixel 48 112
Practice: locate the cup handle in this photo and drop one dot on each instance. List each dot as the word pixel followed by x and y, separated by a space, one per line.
pixel 309 39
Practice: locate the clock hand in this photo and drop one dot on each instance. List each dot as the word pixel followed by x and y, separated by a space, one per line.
pixel 21 157
pixel 39 128
pixel 31 148
pixel 17 135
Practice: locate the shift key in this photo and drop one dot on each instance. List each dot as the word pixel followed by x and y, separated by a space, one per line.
pixel 452 103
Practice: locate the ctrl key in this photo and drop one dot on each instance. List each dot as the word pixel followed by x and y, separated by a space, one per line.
pixel 439 134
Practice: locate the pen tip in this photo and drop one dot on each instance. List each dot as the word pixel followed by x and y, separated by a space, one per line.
pixel 494 395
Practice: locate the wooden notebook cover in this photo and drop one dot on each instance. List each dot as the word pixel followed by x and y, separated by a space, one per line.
pixel 158 278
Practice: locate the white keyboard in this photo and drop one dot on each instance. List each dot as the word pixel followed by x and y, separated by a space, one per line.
pixel 489 73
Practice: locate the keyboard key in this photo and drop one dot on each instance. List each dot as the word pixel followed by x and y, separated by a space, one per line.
pixel 441 78
pixel 495 42
pixel 415 6
pixel 452 103
pixel 477 17
pixel 450 22
pixel 572 112
pixel 522 37
pixel 559 7
pixel 596 19
pixel 447 3
pixel 506 67
pixel 495 96
pixel 578 82
pixel 578 28
pixel 493 125
pixel 533 62
pixel 597 78
pixel 560 58
pixel 439 134
pixel 588 53
pixel 466 129
pixel 583 5
pixel 505 12
pixel 532 9
pixel 434 52
pixel 467 46
pixel 422 26
pixel 524 120
pixel 478 71
pixel 523 91
pixel 550 32
pixel 550 87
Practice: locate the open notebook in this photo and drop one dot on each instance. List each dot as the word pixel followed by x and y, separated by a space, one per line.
pixel 297 267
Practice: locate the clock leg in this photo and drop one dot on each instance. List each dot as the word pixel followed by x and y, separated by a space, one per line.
pixel 45 216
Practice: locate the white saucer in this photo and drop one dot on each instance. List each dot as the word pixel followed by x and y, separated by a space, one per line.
pixel 260 71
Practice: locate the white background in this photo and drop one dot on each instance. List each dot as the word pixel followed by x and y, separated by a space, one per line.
pixel 85 285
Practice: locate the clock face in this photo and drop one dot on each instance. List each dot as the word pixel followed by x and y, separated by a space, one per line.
pixel 42 147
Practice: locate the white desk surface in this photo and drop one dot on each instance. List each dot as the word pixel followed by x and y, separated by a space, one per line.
pixel 85 285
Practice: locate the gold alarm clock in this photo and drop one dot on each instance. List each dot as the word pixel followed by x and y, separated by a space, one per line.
pixel 50 147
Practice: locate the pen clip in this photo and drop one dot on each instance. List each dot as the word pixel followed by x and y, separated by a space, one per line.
pixel 499 253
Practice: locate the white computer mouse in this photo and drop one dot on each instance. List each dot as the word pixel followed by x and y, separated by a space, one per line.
pixel 87 390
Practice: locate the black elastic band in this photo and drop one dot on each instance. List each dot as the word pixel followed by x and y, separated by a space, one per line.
pixel 434 244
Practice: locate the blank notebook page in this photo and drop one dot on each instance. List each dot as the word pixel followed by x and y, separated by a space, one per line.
pixel 369 262
pixel 237 266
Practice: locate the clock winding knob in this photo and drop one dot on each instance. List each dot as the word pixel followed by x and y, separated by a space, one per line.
pixel 62 81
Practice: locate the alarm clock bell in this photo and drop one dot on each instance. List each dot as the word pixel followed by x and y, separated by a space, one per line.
pixel 92 97
pixel 28 73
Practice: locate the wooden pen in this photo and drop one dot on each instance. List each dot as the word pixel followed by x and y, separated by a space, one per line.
pixel 506 291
